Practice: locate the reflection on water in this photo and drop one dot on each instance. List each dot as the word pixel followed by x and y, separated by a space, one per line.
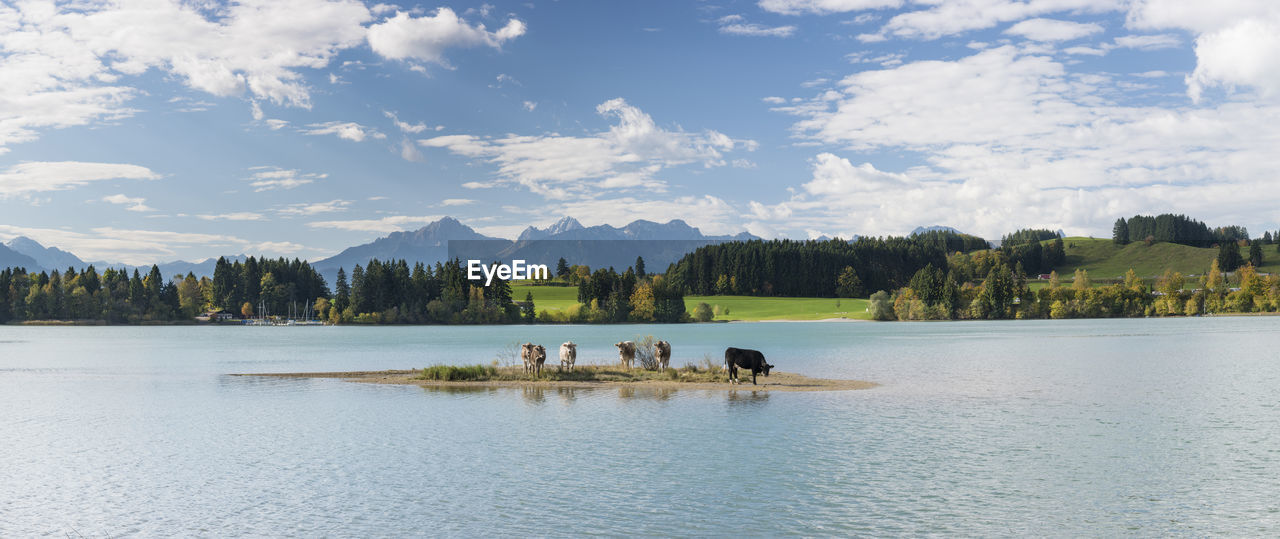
pixel 737 396
pixel 534 394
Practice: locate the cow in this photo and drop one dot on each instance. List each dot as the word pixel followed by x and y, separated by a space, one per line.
pixel 662 353
pixel 539 357
pixel 568 354
pixel 735 358
pixel 526 355
pixel 626 352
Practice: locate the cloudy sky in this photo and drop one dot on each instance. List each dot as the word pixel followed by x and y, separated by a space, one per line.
pixel 153 130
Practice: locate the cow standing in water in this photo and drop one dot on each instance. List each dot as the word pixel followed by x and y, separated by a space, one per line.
pixel 626 353
pixel 740 358
pixel 526 355
pixel 568 354
pixel 662 353
pixel 539 357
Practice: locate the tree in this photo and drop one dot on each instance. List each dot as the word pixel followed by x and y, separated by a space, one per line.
pixel 1255 254
pixel 703 313
pixel 643 306
pixel 881 307
pixel 562 268
pixel 1081 281
pixel 246 310
pixel 640 267
pixel 1229 256
pixel 527 310
pixel 1120 232
pixel 189 297
pixel 847 284
pixel 341 292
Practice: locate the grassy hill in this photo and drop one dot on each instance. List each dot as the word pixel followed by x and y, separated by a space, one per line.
pixel 559 298
pixel 1103 259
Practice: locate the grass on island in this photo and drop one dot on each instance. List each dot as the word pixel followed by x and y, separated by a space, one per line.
pixel 743 308
pixel 582 373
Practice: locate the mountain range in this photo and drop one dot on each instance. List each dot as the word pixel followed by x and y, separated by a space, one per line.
pixel 659 244
pixel 599 246
pixel 24 252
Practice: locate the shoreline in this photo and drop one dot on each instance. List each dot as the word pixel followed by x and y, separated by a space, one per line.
pixel 778 381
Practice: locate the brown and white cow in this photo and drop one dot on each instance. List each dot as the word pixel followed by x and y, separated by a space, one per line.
pixel 626 353
pixel 539 357
pixel 568 354
pixel 526 355
pixel 662 353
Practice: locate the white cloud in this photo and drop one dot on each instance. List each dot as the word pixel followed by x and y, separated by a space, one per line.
pixel 1006 136
pixel 822 7
pixel 405 37
pixel 268 178
pixel 276 125
pixel 344 130
pixel 66 64
pixel 405 127
pixel 457 202
pixel 41 176
pixel 1237 41
pixel 628 155
pixel 736 25
pixel 277 248
pixel 383 225
pixel 409 151
pixel 316 208
pixel 1148 42
pixel 1243 54
pixel 134 203
pixel 1053 30
pixel 946 18
pixel 530 106
pixel 232 216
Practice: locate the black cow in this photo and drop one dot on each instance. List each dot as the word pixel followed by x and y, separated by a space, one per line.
pixel 738 358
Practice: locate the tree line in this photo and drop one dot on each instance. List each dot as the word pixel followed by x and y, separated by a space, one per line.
pixel 114 296
pixel 1172 228
pixel 814 268
pixel 935 294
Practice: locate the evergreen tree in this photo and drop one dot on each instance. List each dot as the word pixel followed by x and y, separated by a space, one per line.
pixel 342 293
pixel 1229 256
pixel 640 267
pixel 528 312
pixel 562 268
pixel 1120 232
pixel 1255 254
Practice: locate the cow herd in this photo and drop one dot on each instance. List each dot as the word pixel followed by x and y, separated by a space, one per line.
pixel 534 355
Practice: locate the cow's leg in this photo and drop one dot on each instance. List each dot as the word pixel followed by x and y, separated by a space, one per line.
pixel 753 377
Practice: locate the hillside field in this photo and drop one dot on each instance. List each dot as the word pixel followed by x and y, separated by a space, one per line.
pixel 1103 259
pixel 744 308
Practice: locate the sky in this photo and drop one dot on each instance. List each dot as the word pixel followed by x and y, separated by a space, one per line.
pixel 152 130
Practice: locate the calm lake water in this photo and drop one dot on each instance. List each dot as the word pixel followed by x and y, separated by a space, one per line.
pixel 1108 427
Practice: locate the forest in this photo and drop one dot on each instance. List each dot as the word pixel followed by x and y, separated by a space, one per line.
pixel 830 268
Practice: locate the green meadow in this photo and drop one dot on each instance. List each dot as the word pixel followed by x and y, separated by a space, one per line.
pixel 744 308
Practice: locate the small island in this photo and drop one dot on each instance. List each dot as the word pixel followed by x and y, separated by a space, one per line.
pixel 586 376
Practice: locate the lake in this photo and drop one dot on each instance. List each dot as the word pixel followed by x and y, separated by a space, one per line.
pixel 1063 428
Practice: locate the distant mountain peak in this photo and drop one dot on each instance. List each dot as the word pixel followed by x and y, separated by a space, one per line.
pixel 565 224
pixel 934 228
pixel 23 242
pixel 47 257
